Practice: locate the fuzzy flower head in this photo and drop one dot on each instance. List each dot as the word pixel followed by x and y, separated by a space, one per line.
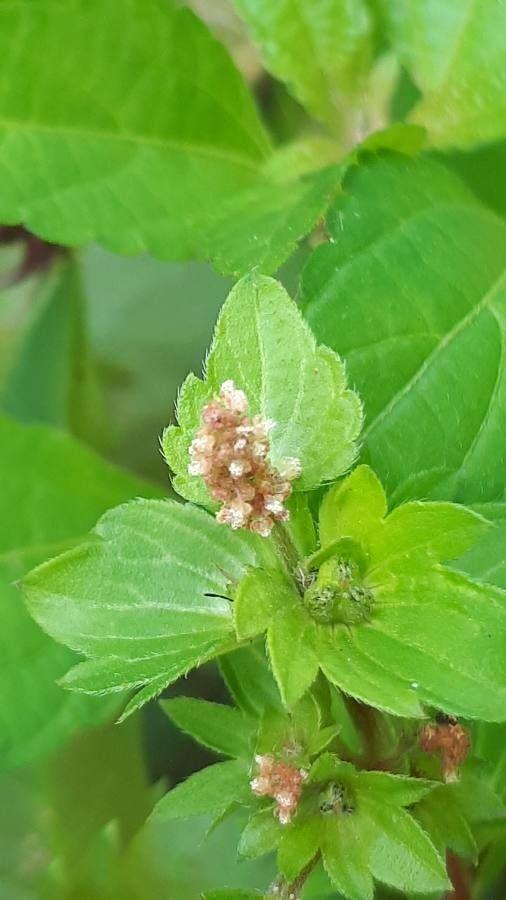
pixel 230 452
pixel 451 740
pixel 281 782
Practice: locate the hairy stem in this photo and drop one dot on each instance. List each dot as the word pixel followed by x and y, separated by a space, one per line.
pixel 292 890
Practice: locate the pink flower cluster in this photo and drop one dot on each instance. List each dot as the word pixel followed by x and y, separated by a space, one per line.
pixel 281 782
pixel 230 452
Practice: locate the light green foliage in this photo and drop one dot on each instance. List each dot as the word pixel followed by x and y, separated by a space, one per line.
pixel 249 679
pixel 411 294
pixel 212 790
pixel 431 632
pixel 157 147
pixel 322 51
pixel 118 157
pixel 455 54
pixel 441 815
pixel 485 561
pixel 261 227
pixel 57 489
pixel 430 635
pixel 263 344
pixel 355 819
pixel 135 314
pixel 50 378
pixel 222 728
pixel 154 616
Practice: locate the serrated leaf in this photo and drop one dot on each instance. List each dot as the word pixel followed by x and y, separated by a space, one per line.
pixel 212 790
pixel 345 858
pixel 261 227
pixel 323 53
pixel 118 159
pixel 402 855
pixel 250 680
pixel 291 644
pixel 144 598
pixel 57 489
pixel 262 343
pixel 442 817
pixel 261 834
pixel 454 53
pixel 397 789
pixel 413 287
pixel 432 635
pixel 352 508
pixel 255 602
pixel 220 727
pixel 298 847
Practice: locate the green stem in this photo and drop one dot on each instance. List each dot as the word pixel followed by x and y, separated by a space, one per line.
pixel 292 890
pixel 286 547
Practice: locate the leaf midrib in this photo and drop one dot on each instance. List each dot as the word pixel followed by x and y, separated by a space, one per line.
pixel 166 144
pixel 459 326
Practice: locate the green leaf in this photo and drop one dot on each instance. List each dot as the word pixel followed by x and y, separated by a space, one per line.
pixel 250 680
pixel 413 288
pixel 255 601
pixel 262 343
pixel 212 790
pixel 261 834
pixel 219 727
pixel 118 159
pixel 454 53
pixel 349 733
pixel 134 316
pixel 485 561
pixel 291 644
pixel 345 858
pixel 402 855
pixel 298 847
pixel 323 53
pixel 398 789
pixel 432 633
pixel 442 817
pixel 50 380
pixel 143 597
pixel 352 508
pixel 260 227
pixel 57 489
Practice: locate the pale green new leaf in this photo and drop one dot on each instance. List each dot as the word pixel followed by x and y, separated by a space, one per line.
pixel 262 343
pixel 52 493
pixel 455 54
pixel 143 597
pixel 212 790
pixel 321 50
pixel 411 294
pixel 222 728
pixel 133 145
pixel 432 634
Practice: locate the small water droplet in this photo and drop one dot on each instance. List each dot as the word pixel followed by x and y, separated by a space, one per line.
pixel 415 685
